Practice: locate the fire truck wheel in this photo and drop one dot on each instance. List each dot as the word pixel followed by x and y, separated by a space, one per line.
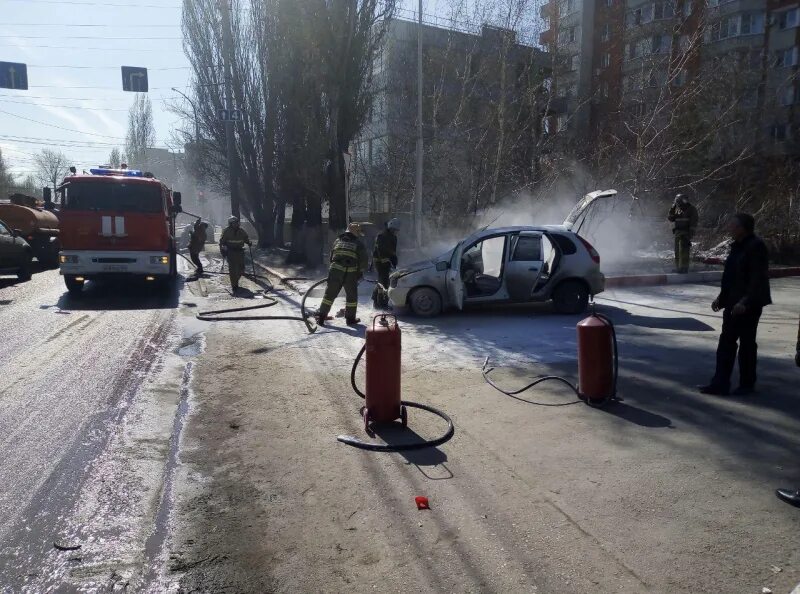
pixel 75 287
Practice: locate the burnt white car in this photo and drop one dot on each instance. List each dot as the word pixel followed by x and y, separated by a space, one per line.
pixel 508 265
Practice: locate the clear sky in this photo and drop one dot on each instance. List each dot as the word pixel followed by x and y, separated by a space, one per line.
pixel 74 50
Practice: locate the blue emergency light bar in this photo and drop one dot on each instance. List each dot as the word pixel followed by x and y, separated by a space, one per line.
pixel 108 171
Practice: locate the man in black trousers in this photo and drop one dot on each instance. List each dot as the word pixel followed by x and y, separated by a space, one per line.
pixel 744 293
pixel 792 496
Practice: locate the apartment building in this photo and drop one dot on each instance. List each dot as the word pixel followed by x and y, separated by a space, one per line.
pixel 612 51
pixel 469 72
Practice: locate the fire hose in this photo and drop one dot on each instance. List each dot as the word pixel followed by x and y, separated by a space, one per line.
pixel 216 315
pixel 403 447
pixel 486 370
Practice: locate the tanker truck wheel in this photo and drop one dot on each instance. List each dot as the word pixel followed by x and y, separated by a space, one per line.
pixel 74 286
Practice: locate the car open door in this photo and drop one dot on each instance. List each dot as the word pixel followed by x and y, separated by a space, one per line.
pixel 455 285
pixel 524 265
pixel 580 214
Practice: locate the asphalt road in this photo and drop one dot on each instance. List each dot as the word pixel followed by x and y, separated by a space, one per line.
pixel 74 372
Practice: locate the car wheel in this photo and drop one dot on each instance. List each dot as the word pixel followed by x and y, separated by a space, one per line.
pixel 425 302
pixel 571 297
pixel 74 286
pixel 25 272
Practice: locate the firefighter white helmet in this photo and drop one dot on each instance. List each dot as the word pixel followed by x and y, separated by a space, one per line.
pixel 232 220
pixel 393 224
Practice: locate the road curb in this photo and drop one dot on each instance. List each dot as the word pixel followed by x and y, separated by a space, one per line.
pixel 706 276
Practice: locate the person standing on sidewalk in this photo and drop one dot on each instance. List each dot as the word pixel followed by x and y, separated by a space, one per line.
pixel 384 256
pixel 744 293
pixel 792 496
pixel 683 217
pixel 231 245
pixel 349 260
pixel 197 241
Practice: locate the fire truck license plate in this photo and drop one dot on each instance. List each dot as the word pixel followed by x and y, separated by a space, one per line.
pixel 115 268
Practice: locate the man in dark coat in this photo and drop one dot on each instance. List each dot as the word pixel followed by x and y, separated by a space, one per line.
pixel 792 496
pixel 744 293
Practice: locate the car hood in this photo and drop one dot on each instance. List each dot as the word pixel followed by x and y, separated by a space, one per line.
pixel 423 264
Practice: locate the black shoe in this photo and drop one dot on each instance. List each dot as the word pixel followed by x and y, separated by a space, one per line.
pixel 320 319
pixel 743 391
pixel 713 390
pixel 792 497
pixel 353 321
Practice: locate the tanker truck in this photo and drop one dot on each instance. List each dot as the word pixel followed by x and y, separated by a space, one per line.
pixel 38 226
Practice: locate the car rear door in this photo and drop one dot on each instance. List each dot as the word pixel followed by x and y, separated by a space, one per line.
pixel 455 285
pixel 580 214
pixel 524 265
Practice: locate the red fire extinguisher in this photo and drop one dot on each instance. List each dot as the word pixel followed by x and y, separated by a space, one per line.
pixel 597 359
pixel 382 402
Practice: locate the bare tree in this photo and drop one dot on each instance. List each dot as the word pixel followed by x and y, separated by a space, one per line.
pixel 115 158
pixel 6 178
pixel 141 130
pixel 51 167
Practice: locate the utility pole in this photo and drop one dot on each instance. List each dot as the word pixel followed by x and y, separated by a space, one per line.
pixel 227 50
pixel 418 185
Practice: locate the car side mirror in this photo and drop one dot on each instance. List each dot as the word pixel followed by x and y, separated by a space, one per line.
pixel 442 266
pixel 16 232
pixel 177 201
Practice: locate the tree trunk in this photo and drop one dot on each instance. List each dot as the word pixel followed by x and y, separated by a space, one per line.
pixel 314 239
pixel 297 251
pixel 279 219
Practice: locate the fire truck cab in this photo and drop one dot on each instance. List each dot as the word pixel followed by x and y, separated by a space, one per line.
pixel 117 223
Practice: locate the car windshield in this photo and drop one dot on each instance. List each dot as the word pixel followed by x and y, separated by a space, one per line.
pixel 126 197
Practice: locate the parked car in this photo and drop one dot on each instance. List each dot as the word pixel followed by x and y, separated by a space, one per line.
pixel 508 265
pixel 15 254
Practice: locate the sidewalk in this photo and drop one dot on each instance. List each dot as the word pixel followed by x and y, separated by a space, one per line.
pixel 293 276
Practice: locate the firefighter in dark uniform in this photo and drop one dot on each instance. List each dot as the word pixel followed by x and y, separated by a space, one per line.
pixel 349 260
pixel 231 245
pixel 197 240
pixel 384 257
pixel 684 218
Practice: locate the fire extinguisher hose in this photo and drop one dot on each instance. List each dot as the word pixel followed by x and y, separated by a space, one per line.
pixel 486 370
pixel 306 317
pixel 403 447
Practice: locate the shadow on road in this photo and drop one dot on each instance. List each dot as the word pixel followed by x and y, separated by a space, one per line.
pixel 120 296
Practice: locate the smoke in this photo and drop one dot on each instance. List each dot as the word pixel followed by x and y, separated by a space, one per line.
pixel 617 227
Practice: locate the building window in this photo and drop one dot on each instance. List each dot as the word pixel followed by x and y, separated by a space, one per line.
pixel 752 23
pixel 789 95
pixel 788 18
pixel 780 132
pixel 687 8
pixel 562 123
pixel 786 57
pixel 575 62
pixel 661 44
pixel 567 6
pixel 756 59
pixel 663 10
pixel 605 60
pixel 679 78
pixel 609 3
pixel 606 32
pixel 604 88
pixel 641 15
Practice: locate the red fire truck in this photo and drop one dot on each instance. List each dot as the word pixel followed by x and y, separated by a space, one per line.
pixel 117 223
